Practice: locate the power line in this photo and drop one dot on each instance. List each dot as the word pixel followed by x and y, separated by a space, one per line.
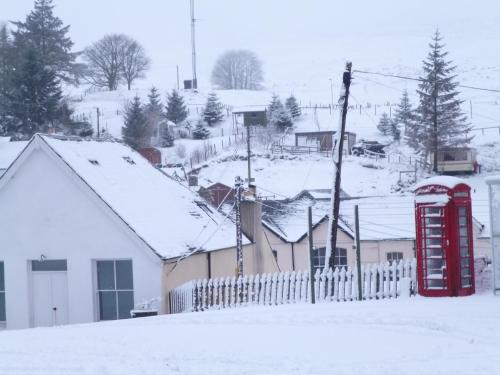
pixel 421 80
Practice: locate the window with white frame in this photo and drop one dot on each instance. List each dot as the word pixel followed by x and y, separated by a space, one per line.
pixel 394 256
pixel 115 289
pixel 319 258
pixel 339 258
pixel 2 294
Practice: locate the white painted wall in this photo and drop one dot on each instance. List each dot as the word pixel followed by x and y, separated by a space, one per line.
pixel 44 210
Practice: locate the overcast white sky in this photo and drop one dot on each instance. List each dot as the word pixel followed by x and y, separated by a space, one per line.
pixel 290 36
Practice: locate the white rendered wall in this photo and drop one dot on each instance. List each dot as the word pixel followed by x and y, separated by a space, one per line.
pixel 45 211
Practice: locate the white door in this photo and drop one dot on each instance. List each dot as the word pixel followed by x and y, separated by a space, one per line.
pixel 50 298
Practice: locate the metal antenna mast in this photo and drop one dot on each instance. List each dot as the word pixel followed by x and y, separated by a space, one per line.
pixel 193 46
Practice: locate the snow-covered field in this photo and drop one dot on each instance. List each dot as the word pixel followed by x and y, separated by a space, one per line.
pixel 458 336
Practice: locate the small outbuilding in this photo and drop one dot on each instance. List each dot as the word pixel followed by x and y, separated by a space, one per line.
pixel 323 140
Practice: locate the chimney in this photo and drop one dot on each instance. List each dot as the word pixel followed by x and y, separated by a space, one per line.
pixel 251 226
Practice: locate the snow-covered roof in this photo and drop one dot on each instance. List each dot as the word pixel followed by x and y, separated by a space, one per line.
pixel 170 218
pixel 9 151
pixel 447 181
pixel 288 219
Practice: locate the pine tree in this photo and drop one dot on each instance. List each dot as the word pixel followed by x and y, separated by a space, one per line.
pixel 394 130
pixel 441 120
pixel 47 35
pixel 6 73
pixel 35 97
pixel 283 120
pixel 153 111
pixel 213 110
pixel 135 124
pixel 293 107
pixel 384 124
pixel 176 109
pixel 200 131
pixel 273 109
pixel 404 116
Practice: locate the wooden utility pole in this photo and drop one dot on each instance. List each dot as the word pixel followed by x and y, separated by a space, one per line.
pixel 98 128
pixel 358 251
pixel 311 253
pixel 238 187
pixel 337 148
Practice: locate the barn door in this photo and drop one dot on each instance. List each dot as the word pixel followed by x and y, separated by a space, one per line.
pixel 49 293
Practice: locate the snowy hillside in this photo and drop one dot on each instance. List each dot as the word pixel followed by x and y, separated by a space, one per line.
pixel 455 336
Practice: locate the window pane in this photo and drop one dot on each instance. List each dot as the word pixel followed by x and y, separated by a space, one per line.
pixel 125 304
pixel 49 265
pixel 2 307
pixel 105 275
pixel 107 305
pixel 124 278
pixel 2 281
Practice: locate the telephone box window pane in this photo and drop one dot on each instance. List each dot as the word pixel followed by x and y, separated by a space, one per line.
pixel 432 221
pixel 125 304
pixel 2 307
pixel 435 284
pixel 2 281
pixel 463 231
pixel 433 242
pixel 465 262
pixel 466 282
pixel 105 275
pixel 124 277
pixel 107 305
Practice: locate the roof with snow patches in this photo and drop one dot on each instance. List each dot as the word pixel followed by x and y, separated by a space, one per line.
pixel 170 218
pixel 288 219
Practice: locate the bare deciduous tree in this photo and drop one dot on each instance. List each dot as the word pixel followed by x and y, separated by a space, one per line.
pixel 238 69
pixel 113 59
pixel 135 62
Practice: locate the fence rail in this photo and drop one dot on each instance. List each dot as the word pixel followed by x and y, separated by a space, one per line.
pixel 384 280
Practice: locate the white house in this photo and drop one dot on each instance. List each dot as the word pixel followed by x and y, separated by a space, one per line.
pixel 86 228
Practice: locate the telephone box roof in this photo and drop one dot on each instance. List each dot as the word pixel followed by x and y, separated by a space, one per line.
pixel 446 181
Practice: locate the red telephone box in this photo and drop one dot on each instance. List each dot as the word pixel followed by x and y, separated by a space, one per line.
pixel 443 219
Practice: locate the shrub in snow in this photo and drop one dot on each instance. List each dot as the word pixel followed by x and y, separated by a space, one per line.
pixel 200 131
pixel 180 151
pixel 212 114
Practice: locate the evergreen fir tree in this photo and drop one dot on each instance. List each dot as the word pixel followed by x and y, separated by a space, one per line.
pixel 394 130
pixel 6 73
pixel 200 131
pixel 282 119
pixel 213 110
pixel 47 35
pixel 153 111
pixel 441 120
pixel 293 107
pixel 274 109
pixel 404 117
pixel 35 97
pixel 176 109
pixel 135 124
pixel 384 124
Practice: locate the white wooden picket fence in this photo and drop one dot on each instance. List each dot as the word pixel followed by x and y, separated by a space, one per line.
pixel 385 280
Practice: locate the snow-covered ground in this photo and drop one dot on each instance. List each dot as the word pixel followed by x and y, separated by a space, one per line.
pixel 439 336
